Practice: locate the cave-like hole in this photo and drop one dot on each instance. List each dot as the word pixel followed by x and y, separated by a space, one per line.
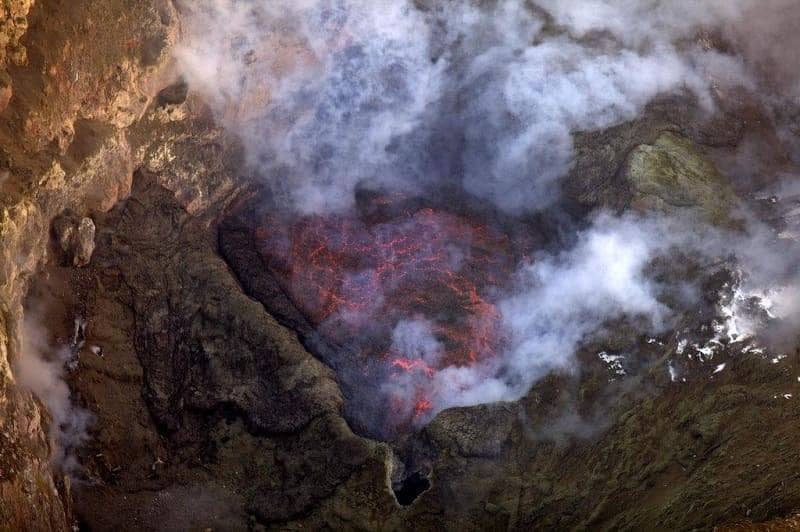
pixel 411 487
pixel 174 94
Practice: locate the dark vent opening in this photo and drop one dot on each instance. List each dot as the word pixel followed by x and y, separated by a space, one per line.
pixel 411 487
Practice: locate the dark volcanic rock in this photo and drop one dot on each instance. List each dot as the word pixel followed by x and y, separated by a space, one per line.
pixel 204 344
pixel 597 177
pixel 212 356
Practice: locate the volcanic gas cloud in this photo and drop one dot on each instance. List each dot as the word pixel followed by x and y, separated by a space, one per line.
pixel 420 98
pixel 412 292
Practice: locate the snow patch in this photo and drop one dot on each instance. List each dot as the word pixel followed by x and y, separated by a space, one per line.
pixel 682 346
pixel 614 362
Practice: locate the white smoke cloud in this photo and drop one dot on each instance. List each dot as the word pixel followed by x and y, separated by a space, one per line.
pixel 562 300
pixel 559 301
pixel 359 77
pixel 551 90
pixel 762 34
pixel 645 22
pixel 416 341
pixel 41 368
pixel 329 96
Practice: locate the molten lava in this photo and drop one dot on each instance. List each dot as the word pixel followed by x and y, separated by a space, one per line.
pixel 357 279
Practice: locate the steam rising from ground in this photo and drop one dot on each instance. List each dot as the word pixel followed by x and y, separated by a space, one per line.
pixel 563 299
pixel 329 96
pixel 41 368
pixel 560 300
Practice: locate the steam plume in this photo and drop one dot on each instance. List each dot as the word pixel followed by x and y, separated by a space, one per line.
pixel 41 368
pixel 409 96
pixel 331 95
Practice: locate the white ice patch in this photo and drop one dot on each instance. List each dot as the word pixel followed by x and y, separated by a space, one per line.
pixel 614 362
pixel 739 312
pixel 753 349
pixel 682 346
pixel 707 351
pixel 739 322
pixel 742 313
pixel 719 368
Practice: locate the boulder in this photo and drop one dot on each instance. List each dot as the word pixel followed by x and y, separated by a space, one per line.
pixel 76 238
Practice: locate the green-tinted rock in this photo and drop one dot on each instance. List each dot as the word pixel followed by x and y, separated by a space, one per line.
pixel 674 173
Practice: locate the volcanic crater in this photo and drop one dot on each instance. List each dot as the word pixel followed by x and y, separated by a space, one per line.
pixel 413 265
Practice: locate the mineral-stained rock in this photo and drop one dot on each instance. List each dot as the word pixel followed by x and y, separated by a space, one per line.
pixel 13 25
pixel 596 178
pixel 79 47
pixel 29 493
pixel 673 173
pixel 5 90
pixel 84 246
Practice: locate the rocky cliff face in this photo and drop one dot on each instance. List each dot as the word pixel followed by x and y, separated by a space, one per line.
pixel 72 78
pixel 129 227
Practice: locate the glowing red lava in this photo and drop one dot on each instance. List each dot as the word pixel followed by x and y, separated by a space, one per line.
pixel 356 280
